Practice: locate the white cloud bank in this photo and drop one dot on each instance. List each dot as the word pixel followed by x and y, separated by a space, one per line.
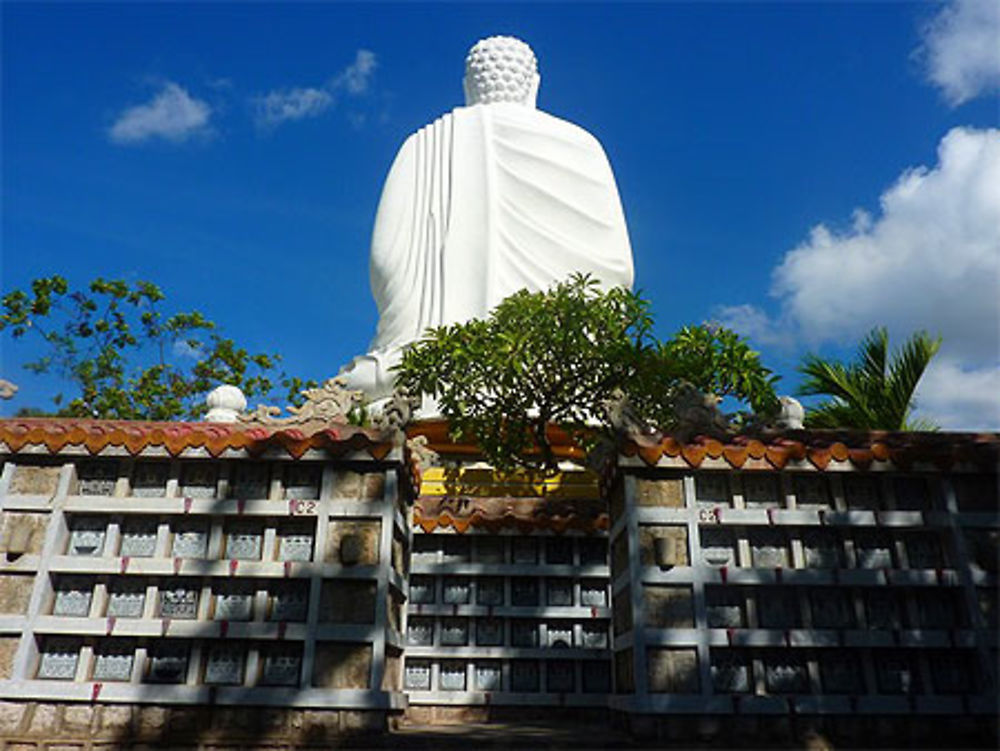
pixel 930 260
pixel 287 105
pixel 173 115
pixel 961 49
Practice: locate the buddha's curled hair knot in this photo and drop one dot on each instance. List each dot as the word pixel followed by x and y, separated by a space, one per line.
pixel 500 69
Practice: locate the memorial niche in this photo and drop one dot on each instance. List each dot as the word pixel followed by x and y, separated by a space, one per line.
pixel 167 662
pixel 488 676
pixel 489 591
pixel 58 659
pixel 489 199
pixel 86 535
pixel 126 599
pixel 73 596
pixel 113 661
pixel 281 665
pixel 138 538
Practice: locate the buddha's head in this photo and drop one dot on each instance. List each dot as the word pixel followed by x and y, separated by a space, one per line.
pixel 501 69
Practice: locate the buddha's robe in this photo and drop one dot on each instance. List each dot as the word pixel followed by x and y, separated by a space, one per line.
pixel 483 202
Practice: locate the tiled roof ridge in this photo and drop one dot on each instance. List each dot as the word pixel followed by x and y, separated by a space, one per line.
pixel 492 514
pixel 821 447
pixel 56 433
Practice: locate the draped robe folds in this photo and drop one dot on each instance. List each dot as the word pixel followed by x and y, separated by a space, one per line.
pixel 483 202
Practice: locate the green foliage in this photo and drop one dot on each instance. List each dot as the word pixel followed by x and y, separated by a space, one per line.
pixel 125 357
pixel 555 357
pixel 875 392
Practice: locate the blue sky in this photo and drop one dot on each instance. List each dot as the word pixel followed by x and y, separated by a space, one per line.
pixel 798 171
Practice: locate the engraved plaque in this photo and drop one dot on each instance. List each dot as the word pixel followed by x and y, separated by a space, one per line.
pixel 97 478
pixel 822 549
pixel 224 665
pixel 150 480
pixel 489 591
pixel 58 660
pixel 138 539
pixel 593 594
pixel 417 676
pixel 523 675
pixel 190 542
pixel 455 591
pixel 717 548
pixel 420 632
pixel 126 601
pixel 86 536
pixel 289 604
pixel 711 490
pixel 488 676
pixel 560 592
pixel 73 598
pixel 452 676
pixel 168 662
pixel 560 677
pixel 523 634
pixel 233 606
pixel 524 550
pixel 560 635
pixel 730 673
pixel 768 549
pixel 454 632
pixel 724 608
pixel 179 603
pixel 489 632
pixel 786 676
pixel 199 480
pixel 250 481
pixel 594 635
pixel 113 662
pixel 244 544
pixel 282 667
pixel 421 589
pixel 295 546
pixel 524 592
pixel 302 482
pixel 873 550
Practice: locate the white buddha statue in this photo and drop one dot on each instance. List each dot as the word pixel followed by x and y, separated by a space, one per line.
pixel 488 199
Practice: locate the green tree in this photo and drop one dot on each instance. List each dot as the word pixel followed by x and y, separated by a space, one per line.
pixel 125 357
pixel 555 357
pixel 875 392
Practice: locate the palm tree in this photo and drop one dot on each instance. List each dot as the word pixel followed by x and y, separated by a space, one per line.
pixel 873 393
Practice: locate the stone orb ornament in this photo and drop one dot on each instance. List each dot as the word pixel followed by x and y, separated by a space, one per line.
pixel 501 69
pixel 225 404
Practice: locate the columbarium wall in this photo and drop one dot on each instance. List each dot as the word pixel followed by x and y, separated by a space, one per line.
pixel 188 586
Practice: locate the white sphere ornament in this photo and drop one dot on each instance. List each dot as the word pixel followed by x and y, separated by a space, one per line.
pixel 225 404
pixel 792 415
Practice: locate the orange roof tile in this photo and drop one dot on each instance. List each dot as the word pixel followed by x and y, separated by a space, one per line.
pixel 55 434
pixel 526 514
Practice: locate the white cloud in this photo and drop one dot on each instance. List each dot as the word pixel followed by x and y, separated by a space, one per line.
pixel 930 259
pixel 957 397
pixel 754 323
pixel 295 104
pixel 285 105
pixel 173 114
pixel 961 49
pixel 357 76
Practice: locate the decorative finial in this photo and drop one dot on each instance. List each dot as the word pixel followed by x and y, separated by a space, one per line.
pixel 501 69
pixel 225 404
pixel 792 415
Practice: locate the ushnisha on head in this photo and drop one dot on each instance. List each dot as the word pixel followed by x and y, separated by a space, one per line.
pixel 501 69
